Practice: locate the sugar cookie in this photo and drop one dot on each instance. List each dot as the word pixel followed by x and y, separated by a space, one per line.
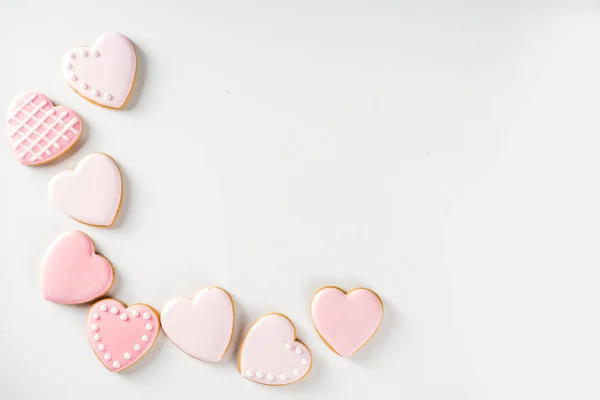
pixel 38 131
pixel 121 336
pixel 103 73
pixel 346 321
pixel 90 194
pixel 270 353
pixel 202 327
pixel 72 273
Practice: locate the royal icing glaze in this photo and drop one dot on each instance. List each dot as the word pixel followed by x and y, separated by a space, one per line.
pixel 72 273
pixel 107 77
pixel 120 343
pixel 91 193
pixel 346 322
pixel 201 327
pixel 270 353
pixel 38 131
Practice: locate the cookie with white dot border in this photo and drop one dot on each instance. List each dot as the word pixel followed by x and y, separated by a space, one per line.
pixel 103 73
pixel 120 336
pixel 270 354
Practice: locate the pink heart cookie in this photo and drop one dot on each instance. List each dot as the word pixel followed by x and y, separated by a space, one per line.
pixel 346 322
pixel 71 271
pixel 121 336
pixel 103 73
pixel 38 131
pixel 202 327
pixel 91 193
pixel 270 353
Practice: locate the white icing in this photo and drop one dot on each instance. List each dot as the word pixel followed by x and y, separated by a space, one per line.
pixel 270 377
pixel 107 357
pixel 288 345
pixel 304 361
pixel 84 53
pixel 137 347
pixel 145 338
pixel 127 356
pixel 148 327
pixel 114 310
pixel 123 317
pixel 296 372
pixel 146 315
pixel 94 327
pixel 69 66
pixel 103 308
pixel 95 316
pixel 95 92
pixel 116 364
pixel 101 347
pixel 135 313
pixel 84 85
pixel 259 374
pixel 107 96
pixel 97 337
pixel 249 373
pixel 298 350
pixel 283 377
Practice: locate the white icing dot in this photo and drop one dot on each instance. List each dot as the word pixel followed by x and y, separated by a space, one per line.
pixel 270 377
pixel 304 361
pixel 103 308
pixel 84 85
pixel 259 374
pixel 114 310
pixel 137 347
pixel 298 350
pixel 95 316
pixel 249 373
pixel 97 337
pixel 148 327
pixel 95 92
pixel 72 55
pixel 83 53
pixel 127 356
pixel 146 315
pixel 73 77
pixel 116 364
pixel 107 357
pixel 283 377
pixel 145 338
pixel 96 54
pixel 296 372
pixel 288 345
pixel 94 327
pixel 135 313
pixel 107 96
pixel 101 347
pixel 123 317
pixel 69 66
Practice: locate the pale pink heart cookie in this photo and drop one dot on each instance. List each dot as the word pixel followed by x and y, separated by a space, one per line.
pixel 202 327
pixel 38 131
pixel 104 72
pixel 121 336
pixel 346 322
pixel 270 353
pixel 72 273
pixel 91 193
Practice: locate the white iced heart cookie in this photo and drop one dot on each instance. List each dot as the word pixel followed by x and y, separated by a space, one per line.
pixel 91 193
pixel 270 353
pixel 104 72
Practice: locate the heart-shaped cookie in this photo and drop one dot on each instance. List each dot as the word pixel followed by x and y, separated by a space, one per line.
pixel 91 193
pixel 346 321
pixel 202 327
pixel 71 271
pixel 103 73
pixel 270 353
pixel 38 131
pixel 121 336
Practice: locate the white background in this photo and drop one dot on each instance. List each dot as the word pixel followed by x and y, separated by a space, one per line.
pixel 444 153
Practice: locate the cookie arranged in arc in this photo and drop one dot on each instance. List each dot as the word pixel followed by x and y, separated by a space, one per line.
pixel 72 273
pixel 201 327
pixel 270 354
pixel 120 335
pixel 91 193
pixel 103 73
pixel 38 131
pixel 346 321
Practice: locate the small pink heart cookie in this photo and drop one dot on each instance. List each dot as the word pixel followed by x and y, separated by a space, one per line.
pixel 346 321
pixel 202 327
pixel 270 353
pixel 72 273
pixel 90 194
pixel 104 72
pixel 121 336
pixel 38 131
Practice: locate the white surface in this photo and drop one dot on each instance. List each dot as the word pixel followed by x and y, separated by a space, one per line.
pixel 444 153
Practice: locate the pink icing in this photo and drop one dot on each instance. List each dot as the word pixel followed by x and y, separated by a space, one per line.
pixel 91 193
pixel 270 353
pixel 201 327
pixel 103 73
pixel 117 342
pixel 39 132
pixel 72 273
pixel 346 322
